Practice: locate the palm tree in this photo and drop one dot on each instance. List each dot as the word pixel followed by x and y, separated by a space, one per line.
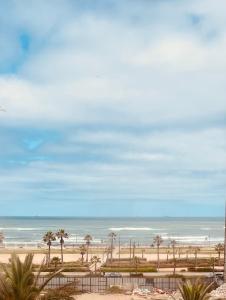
pixel 167 255
pixel 142 253
pixel 107 251
pixel 88 238
pixel 18 281
pixel 82 250
pixel 136 262
pixel 194 291
pixel 1 238
pixel 219 248
pixel 179 252
pixel 61 235
pixel 95 260
pixel 197 249
pixel 158 241
pixel 48 238
pixel 55 261
pixel 173 244
pixel 212 263
pixel 112 237
pixel 187 252
pixel 134 249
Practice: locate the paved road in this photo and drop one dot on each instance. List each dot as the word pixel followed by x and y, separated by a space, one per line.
pixel 157 274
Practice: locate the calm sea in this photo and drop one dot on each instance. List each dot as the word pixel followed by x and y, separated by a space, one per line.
pixel 27 231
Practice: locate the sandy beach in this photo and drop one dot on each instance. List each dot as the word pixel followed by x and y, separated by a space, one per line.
pixel 72 254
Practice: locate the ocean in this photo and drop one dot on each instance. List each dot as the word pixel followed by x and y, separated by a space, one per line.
pixel 28 231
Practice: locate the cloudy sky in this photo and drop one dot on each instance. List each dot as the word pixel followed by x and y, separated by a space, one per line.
pixel 113 107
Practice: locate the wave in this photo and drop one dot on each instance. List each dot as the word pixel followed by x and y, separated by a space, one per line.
pixel 131 229
pixel 20 228
pixel 188 238
pixel 80 239
pixel 211 228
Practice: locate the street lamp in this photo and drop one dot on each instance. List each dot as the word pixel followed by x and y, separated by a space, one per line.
pixel 225 244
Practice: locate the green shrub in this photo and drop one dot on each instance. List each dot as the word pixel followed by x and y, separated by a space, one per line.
pixel 194 291
pixel 63 293
pixel 115 290
pixel 200 269
pixel 66 269
pixel 132 269
pixel 174 276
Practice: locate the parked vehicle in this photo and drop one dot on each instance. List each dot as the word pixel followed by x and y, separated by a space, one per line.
pixel 114 274
pixel 136 274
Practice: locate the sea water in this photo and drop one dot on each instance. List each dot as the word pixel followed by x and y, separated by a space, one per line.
pixel 28 231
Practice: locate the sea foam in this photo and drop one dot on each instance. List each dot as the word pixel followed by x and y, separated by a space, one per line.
pixel 131 229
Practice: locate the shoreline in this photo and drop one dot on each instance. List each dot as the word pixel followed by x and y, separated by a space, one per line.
pixel 148 253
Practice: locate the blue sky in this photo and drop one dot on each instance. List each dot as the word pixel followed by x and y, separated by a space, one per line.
pixel 114 108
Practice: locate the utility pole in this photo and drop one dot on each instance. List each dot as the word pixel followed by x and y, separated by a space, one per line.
pixel 130 250
pixel 134 246
pixel 225 243
pixel 119 250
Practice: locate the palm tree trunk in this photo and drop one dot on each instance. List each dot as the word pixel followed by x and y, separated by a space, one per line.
pixel 134 245
pixel 130 249
pixel 87 253
pixel 213 265
pixel 174 261
pixel 119 251
pixel 158 258
pixel 174 266
pixel 61 250
pixel 111 250
pixel 49 256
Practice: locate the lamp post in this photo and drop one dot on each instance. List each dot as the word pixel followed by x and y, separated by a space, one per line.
pixel 225 244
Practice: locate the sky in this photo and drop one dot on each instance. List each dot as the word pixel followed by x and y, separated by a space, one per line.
pixel 113 107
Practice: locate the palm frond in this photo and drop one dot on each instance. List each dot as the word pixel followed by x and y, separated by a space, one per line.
pixel 194 291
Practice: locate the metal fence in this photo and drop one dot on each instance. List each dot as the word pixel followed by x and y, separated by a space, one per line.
pixel 101 284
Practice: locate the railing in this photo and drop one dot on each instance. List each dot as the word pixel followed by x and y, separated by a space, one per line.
pixel 101 284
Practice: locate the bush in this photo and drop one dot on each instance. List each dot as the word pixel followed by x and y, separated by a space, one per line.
pixel 129 270
pixel 136 274
pixel 66 269
pixel 200 269
pixel 115 290
pixel 64 293
pixel 174 276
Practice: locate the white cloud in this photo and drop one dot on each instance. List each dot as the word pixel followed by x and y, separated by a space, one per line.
pixel 137 71
pixel 184 53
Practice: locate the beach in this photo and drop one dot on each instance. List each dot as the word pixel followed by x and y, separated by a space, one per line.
pixel 72 254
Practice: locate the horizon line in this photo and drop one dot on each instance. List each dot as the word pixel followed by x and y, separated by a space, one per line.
pixel 113 217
